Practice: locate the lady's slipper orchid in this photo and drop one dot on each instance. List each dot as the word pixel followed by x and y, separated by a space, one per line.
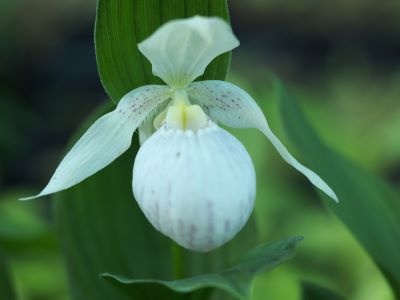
pixel 193 180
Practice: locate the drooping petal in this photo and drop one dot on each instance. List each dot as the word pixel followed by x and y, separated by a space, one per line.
pixel 180 50
pixel 106 139
pixel 227 103
pixel 197 187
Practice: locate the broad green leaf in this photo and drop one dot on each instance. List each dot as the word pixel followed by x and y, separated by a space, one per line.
pixel 6 286
pixel 312 291
pixel 235 280
pixel 122 24
pixel 368 206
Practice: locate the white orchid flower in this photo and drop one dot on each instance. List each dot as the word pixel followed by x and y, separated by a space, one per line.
pixel 194 181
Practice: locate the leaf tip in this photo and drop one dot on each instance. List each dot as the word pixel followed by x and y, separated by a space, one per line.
pixel 295 241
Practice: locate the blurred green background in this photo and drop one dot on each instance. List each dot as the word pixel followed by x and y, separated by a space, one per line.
pixel 342 58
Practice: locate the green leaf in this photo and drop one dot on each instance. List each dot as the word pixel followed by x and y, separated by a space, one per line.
pixel 235 280
pixel 312 291
pixel 6 286
pixel 368 206
pixel 122 24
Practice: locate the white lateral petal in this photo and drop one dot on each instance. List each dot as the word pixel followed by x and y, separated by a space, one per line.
pixel 180 50
pixel 106 139
pixel 227 103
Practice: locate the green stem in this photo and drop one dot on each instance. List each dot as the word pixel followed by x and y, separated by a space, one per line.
pixel 177 261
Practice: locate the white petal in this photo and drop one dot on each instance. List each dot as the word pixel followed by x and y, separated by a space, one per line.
pixel 180 50
pixel 197 187
pixel 226 103
pixel 106 139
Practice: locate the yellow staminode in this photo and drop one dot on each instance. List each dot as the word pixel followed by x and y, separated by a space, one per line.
pixel 186 117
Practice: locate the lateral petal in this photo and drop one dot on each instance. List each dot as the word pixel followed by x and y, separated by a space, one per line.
pixel 228 104
pixel 106 139
pixel 180 50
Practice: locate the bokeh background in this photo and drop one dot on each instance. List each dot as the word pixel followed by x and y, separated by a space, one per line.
pixel 342 60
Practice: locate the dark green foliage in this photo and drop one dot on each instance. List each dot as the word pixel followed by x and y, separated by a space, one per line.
pixel 6 286
pixel 368 206
pixel 235 280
